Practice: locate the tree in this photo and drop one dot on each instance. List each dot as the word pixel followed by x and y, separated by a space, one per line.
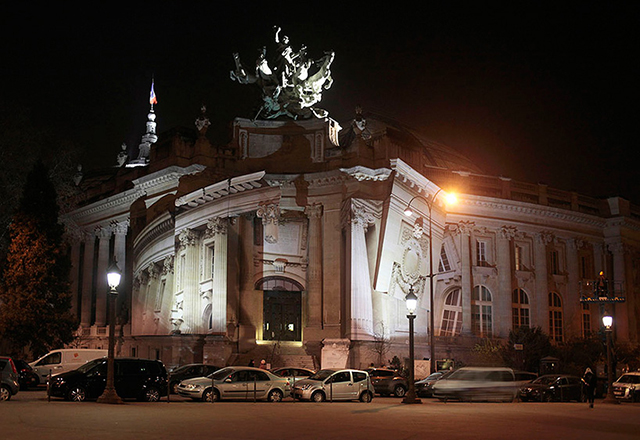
pixel 525 347
pixel 35 297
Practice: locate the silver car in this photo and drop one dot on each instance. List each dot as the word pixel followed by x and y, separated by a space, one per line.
pixel 246 383
pixel 335 384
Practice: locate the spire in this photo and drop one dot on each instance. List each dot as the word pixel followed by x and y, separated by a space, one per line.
pixel 150 136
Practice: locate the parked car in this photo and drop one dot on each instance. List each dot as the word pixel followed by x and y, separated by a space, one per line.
pixel 424 387
pixel 141 379
pixel 387 382
pixel 187 372
pixel 293 374
pixel 553 387
pixel 627 387
pixel 62 360
pixel 26 376
pixel 9 385
pixel 335 384
pixel 245 383
pixel 477 384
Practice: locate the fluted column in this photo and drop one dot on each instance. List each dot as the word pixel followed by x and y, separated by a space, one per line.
pixel 541 300
pixel 361 298
pixel 572 305
pixel 75 277
pixel 621 323
pixel 87 280
pixel 119 253
pixel 102 287
pixel 189 280
pixel 466 278
pixel 502 301
pixel 314 271
pixel 218 227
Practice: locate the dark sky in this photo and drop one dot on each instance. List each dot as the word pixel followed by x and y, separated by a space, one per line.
pixel 541 95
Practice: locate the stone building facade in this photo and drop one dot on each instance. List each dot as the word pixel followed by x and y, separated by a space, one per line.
pixel 291 243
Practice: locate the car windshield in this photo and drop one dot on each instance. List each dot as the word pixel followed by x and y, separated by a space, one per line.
pixel 629 378
pixel 89 365
pixel 322 374
pixel 181 369
pixel 221 374
pixel 544 380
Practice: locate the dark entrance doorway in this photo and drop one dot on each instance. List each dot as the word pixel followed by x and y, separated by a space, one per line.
pixel 282 312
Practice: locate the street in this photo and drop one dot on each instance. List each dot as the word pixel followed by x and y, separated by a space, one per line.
pixel 29 415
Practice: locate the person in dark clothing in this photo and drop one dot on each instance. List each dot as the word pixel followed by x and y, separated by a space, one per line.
pixel 589 379
pixel 251 363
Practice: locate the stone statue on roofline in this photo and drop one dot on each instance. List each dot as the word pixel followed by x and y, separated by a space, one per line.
pixel 290 83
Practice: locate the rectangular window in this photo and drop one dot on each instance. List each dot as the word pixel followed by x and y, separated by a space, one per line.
pixel 444 266
pixel 518 257
pixel 481 253
pixel 160 295
pixel 554 264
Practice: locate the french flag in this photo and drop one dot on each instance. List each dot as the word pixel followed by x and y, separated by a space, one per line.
pixel 152 96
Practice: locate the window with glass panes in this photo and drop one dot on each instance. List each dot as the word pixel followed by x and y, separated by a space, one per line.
pixel 555 317
pixel 481 311
pixel 452 314
pixel 520 308
pixel 444 265
pixel 586 320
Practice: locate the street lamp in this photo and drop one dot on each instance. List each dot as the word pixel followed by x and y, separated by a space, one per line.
pixel 113 278
pixel 412 302
pixel 451 199
pixel 607 320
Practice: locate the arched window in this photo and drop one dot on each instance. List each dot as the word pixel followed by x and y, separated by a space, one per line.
pixel 481 313
pixel 452 314
pixel 555 317
pixel 520 309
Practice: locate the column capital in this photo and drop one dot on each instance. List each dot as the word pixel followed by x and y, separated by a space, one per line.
pixel 314 211
pixel 187 237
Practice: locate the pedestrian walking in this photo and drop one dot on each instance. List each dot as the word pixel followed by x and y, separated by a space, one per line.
pixel 251 363
pixel 263 364
pixel 589 379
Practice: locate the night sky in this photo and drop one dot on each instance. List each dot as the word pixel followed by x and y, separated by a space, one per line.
pixel 540 95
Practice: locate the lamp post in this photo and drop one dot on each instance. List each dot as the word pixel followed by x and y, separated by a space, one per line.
pixel 409 212
pixel 607 320
pixel 113 278
pixel 412 302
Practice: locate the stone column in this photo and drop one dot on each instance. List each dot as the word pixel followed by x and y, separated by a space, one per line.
pixel 218 227
pixel 191 312
pixel 102 287
pixel 616 283
pixel 361 298
pixel 119 253
pixel 149 298
pixel 87 280
pixel 75 277
pixel 502 301
pixel 466 278
pixel 314 271
pixel 572 306
pixel 540 302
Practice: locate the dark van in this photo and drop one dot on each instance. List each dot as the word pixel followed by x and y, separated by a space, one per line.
pixel 141 379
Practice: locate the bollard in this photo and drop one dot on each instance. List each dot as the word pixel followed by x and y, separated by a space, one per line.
pixel 49 386
pixel 169 388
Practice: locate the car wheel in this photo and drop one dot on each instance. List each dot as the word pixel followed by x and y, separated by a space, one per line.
pixel 366 397
pixel 318 396
pixel 151 394
pixel 399 391
pixel 275 396
pixel 5 393
pixel 76 394
pixel 210 395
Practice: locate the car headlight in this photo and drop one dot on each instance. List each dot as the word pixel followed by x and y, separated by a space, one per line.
pixel 193 387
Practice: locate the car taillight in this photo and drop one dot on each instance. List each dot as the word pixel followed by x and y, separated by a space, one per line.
pixel 13 366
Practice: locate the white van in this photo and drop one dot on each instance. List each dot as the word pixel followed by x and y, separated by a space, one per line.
pixel 59 361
